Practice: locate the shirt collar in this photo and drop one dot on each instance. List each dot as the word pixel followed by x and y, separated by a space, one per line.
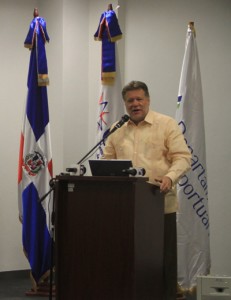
pixel 147 119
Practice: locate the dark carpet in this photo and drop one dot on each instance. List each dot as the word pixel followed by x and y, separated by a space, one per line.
pixel 15 284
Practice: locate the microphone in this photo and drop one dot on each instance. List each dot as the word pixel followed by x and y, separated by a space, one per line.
pixel 77 170
pixel 138 172
pixel 123 120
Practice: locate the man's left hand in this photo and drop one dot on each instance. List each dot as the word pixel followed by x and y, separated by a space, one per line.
pixel 165 184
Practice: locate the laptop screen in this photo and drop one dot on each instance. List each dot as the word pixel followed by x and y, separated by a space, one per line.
pixel 109 167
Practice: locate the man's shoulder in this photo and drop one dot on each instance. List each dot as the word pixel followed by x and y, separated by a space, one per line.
pixel 157 116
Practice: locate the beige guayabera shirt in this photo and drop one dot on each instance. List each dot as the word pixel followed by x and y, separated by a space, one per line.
pixel 156 144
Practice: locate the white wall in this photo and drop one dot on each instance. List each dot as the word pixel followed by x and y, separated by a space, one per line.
pixel 14 61
pixel 153 47
pixel 75 79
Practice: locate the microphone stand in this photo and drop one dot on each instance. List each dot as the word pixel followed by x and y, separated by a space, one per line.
pixel 97 145
pixel 52 185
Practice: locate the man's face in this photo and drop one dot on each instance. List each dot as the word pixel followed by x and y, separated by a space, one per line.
pixel 137 105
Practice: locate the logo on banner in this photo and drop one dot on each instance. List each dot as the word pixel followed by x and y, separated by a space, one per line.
pixel 103 104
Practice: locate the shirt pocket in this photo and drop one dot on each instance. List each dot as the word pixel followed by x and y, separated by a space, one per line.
pixel 154 149
pixel 123 150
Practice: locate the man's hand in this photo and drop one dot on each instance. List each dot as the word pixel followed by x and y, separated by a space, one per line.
pixel 165 184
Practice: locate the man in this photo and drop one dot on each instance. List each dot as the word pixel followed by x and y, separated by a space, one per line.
pixel 155 142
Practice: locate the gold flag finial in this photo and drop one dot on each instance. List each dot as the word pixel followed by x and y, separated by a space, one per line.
pixel 36 12
pixel 191 26
pixel 109 7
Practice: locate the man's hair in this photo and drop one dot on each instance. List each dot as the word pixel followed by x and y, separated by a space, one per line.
pixel 135 85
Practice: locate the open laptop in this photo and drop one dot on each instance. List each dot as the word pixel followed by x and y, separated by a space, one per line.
pixel 109 167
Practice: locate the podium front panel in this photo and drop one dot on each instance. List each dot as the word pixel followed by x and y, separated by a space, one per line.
pixel 109 238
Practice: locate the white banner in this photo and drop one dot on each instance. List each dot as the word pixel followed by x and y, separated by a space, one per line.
pixel 193 216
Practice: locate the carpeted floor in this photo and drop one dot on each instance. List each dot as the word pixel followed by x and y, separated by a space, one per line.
pixel 15 284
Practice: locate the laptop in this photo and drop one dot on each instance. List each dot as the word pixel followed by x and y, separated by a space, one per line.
pixel 109 167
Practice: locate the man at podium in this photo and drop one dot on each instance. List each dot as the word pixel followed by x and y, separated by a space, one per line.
pixel 154 142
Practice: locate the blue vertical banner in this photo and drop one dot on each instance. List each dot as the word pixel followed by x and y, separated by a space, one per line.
pixel 193 216
pixel 110 104
pixel 35 158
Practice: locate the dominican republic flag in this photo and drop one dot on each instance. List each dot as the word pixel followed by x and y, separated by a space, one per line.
pixel 193 217
pixel 35 159
pixel 108 32
pixel 110 104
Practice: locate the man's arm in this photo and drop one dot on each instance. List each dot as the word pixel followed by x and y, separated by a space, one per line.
pixel 178 154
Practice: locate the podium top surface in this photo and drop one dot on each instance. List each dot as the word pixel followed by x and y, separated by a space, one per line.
pixel 101 178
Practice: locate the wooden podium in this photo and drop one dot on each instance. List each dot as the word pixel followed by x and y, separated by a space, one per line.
pixel 108 238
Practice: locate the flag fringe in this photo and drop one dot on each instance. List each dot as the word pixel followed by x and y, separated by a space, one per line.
pixel 186 291
pixel 42 288
pixel 43 80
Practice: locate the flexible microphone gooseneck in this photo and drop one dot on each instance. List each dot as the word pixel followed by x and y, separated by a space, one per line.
pixel 123 120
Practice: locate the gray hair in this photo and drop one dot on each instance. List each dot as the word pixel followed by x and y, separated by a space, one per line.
pixel 135 85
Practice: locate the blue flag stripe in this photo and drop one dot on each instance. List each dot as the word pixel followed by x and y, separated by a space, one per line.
pixel 36 237
pixel 37 104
